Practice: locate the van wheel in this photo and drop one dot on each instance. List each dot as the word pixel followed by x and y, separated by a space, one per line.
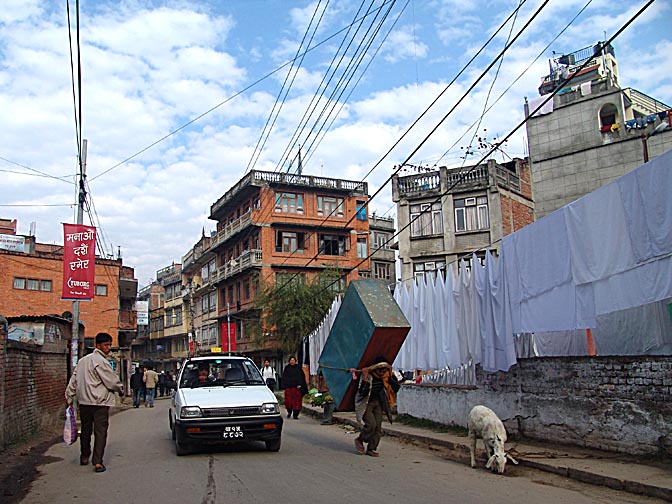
pixel 273 445
pixel 181 448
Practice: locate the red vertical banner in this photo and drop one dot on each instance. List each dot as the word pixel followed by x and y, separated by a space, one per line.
pixel 79 261
pixel 225 336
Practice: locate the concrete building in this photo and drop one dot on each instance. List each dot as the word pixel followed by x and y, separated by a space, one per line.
pixel 382 243
pixel 592 131
pixel 455 211
pixel 270 227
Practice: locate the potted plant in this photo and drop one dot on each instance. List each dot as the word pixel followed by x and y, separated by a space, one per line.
pixel 325 400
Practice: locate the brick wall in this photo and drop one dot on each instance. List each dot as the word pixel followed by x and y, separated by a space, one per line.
pixel 516 214
pixel 34 378
pixel 621 404
pixel 101 314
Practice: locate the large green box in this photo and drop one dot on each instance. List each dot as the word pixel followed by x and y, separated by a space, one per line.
pixel 369 324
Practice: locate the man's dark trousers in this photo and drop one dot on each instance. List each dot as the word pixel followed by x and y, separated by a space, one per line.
pixel 95 419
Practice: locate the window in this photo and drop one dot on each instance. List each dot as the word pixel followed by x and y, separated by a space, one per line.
pixel 212 266
pixel 213 301
pixel 380 240
pixel 361 210
pixel 178 316
pixel 333 244
pixel 204 272
pixel 33 284
pixel 45 285
pixel 431 267
pixel 362 249
pixel 289 203
pixel 329 206
pixel 608 116
pixel 336 286
pixel 471 214
pixel 204 304
pixel 381 271
pixel 19 283
pixel 282 279
pixel 426 220
pixel 246 289
pixel 101 290
pixel 287 241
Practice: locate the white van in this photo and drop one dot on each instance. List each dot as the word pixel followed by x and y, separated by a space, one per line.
pixel 223 399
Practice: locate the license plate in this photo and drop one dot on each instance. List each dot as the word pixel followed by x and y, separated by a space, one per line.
pixel 233 432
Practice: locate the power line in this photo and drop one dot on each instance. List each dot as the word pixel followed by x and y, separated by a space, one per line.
pixel 515 80
pixel 531 113
pixel 314 103
pixel 37 173
pixel 494 61
pixel 321 225
pixel 235 95
pixel 252 162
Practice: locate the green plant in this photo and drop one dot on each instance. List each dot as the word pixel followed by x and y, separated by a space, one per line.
pixel 320 399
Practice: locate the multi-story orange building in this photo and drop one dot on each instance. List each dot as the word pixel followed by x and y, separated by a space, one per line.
pixel 271 227
pixel 31 280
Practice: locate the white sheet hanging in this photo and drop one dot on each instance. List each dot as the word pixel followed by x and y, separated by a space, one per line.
pixel 499 352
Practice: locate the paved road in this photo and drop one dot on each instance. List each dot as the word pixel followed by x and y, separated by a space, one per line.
pixel 316 464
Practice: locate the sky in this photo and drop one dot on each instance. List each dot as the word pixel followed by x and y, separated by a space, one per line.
pixel 179 100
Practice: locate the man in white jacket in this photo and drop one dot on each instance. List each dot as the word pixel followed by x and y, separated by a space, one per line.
pixel 94 383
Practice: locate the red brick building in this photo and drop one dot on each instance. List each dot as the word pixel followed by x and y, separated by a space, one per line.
pixel 31 279
pixel 271 227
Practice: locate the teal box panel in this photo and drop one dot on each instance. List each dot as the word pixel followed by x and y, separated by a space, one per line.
pixel 369 323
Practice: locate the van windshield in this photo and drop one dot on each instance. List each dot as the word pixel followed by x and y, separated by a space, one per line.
pixel 219 372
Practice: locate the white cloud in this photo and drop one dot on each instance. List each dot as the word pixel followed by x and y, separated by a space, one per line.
pixel 149 69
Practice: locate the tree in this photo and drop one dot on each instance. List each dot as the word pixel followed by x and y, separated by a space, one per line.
pixel 294 306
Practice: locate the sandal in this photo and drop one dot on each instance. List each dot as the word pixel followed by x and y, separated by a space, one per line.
pixel 100 468
pixel 359 446
pixel 83 461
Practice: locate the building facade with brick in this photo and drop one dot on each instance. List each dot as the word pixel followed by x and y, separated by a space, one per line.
pixel 448 214
pixel 31 280
pixel 35 357
pixel 592 131
pixel 271 227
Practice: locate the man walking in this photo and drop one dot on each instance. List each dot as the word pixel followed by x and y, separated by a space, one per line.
pixel 375 397
pixel 94 383
pixel 137 385
pixel 151 378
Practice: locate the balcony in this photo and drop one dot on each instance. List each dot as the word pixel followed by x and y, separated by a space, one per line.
pixel 507 178
pixel 418 184
pixel 128 320
pixel 128 288
pixel 261 178
pixel 231 229
pixel 248 259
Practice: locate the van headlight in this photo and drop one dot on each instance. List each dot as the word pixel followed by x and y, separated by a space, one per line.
pixel 269 408
pixel 190 412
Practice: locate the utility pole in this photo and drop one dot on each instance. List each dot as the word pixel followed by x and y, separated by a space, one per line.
pixel 81 198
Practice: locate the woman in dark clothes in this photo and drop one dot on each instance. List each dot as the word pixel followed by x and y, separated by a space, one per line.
pixel 294 383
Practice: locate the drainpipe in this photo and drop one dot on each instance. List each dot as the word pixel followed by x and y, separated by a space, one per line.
pixel 645 147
